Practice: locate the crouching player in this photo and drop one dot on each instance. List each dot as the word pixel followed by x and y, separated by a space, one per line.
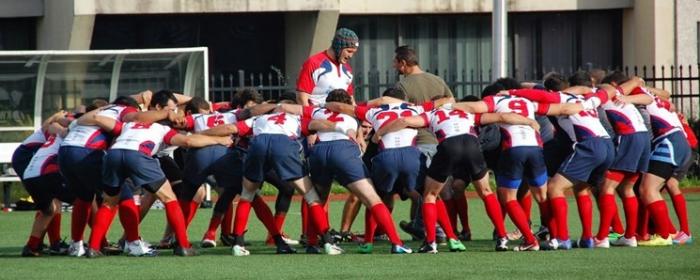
pixel 45 184
pixel 458 149
pixel 274 146
pixel 337 155
pixel 131 157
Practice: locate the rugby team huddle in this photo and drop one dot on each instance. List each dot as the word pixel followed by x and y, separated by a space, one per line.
pixel 539 140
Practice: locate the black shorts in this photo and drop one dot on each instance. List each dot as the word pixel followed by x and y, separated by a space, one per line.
pixel 458 153
pixel 45 188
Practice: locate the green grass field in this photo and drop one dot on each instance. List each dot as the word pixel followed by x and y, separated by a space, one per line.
pixel 480 261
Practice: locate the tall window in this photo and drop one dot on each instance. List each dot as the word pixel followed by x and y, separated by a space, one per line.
pixel 458 47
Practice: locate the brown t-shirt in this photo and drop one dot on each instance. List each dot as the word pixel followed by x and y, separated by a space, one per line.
pixel 421 88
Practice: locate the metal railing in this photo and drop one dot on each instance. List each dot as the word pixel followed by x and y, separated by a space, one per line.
pixel 682 81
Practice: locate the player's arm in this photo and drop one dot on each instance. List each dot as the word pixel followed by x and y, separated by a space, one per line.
pixel 637 99
pixel 564 109
pixel 509 118
pixel 661 93
pixel 55 128
pixel 578 90
pixel 303 98
pixel 473 107
pixel 143 97
pixel 629 86
pixel 256 110
pixel 221 130
pixel 151 116
pixel 322 125
pixel 443 100
pixel 401 123
pixel 342 108
pixel 536 95
pixel 383 100
pixel 295 109
pixel 198 140
pixel 52 119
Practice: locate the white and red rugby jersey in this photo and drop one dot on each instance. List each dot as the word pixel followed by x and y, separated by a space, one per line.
pixel 663 121
pixel 581 126
pixel 320 75
pixel 91 136
pixel 446 123
pixel 291 125
pixel 343 121
pixel 141 137
pixel 517 135
pixel 624 117
pixel 37 138
pixel 384 114
pixel 45 160
pixel 200 122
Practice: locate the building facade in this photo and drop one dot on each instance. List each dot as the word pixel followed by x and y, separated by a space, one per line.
pixel 452 37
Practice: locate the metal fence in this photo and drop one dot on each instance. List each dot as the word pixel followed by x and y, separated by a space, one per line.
pixel 682 81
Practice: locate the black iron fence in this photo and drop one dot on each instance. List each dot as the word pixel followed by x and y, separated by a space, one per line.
pixel 682 81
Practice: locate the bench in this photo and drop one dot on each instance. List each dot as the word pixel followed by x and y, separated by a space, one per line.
pixel 7 175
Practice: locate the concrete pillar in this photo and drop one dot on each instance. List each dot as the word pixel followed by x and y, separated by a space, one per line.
pixel 648 33
pixel 307 33
pixel 62 29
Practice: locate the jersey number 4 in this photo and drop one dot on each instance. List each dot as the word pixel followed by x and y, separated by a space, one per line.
pixel 278 119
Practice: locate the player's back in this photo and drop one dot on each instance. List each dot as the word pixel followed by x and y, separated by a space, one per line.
pixel 382 115
pixel 346 122
pixel 44 160
pixel 91 136
pixel 143 137
pixel 517 135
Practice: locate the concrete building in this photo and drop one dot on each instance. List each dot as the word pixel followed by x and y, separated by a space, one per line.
pixel 451 36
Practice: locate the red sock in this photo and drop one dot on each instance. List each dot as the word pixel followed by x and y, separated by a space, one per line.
pixel 659 213
pixel 518 217
pixel 227 221
pixel 643 222
pixel 616 224
pixel 103 219
pixel 444 220
pixel 189 209
pixel 265 215
pixel 54 229
pixel 526 205
pixel 177 223
pixel 493 209
pixel 585 213
pixel 679 205
pixel 451 211
pixel 370 226
pixel 214 223
pixel 318 218
pixel 381 214
pixel 129 218
pixel 547 219
pixel 429 220
pixel 311 233
pixel 34 242
pixel 462 211
pixel 79 218
pixel 241 221
pixel 279 221
pixel 631 207
pixel 606 203
pixel 559 209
